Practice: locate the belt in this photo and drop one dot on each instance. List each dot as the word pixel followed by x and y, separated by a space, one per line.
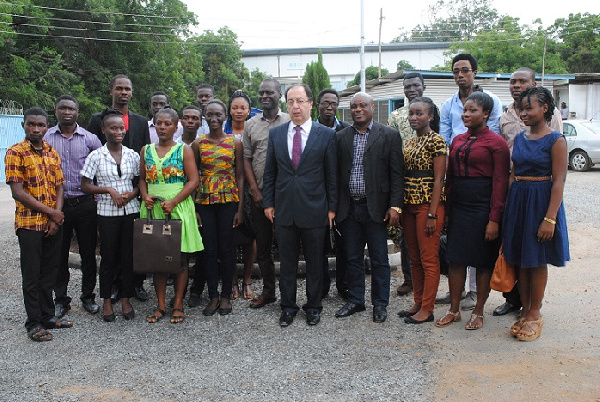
pixel 359 200
pixel 71 202
pixel 533 178
pixel 418 173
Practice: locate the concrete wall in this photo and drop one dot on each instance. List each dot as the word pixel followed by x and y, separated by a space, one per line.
pixel 584 101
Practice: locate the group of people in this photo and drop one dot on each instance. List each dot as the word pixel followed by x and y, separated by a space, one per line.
pixel 234 178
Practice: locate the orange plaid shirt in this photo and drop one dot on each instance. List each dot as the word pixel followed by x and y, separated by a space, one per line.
pixel 40 174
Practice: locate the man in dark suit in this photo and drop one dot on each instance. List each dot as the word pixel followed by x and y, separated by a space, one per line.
pixel 371 191
pixel 137 135
pixel 300 197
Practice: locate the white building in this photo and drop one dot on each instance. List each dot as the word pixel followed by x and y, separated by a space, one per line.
pixel 343 62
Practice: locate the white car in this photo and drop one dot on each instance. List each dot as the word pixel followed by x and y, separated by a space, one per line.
pixel 583 143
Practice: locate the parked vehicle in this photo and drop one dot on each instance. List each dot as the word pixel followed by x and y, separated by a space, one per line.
pixel 583 143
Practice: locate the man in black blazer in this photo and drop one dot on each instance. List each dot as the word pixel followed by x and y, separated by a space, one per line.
pixel 371 192
pixel 300 197
pixel 137 135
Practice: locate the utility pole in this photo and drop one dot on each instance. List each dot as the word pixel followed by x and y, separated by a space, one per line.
pixel 363 84
pixel 380 24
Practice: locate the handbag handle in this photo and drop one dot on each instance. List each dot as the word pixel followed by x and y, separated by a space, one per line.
pixel 149 216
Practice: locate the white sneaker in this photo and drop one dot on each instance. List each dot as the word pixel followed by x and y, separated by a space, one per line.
pixel 469 302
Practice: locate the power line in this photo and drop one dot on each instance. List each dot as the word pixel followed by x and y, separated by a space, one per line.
pixel 88 30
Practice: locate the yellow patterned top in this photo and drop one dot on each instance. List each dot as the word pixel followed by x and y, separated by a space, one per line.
pixel 217 172
pixel 419 153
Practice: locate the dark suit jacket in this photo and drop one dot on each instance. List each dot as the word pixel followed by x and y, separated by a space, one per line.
pixel 301 197
pixel 135 138
pixel 384 170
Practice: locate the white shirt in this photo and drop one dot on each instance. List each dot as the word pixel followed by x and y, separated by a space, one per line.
pixel 101 165
pixel 154 136
pixel 304 131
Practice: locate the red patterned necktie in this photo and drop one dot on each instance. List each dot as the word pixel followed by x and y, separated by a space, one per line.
pixel 297 147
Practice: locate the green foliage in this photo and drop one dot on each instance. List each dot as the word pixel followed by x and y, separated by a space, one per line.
pixel 508 46
pixel 317 78
pixel 371 73
pixel 404 65
pixel 465 18
pixel 578 39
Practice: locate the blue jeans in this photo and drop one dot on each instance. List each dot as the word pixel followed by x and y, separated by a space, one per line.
pixel 357 230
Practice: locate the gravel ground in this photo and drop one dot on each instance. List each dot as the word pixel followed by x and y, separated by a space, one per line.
pixel 245 355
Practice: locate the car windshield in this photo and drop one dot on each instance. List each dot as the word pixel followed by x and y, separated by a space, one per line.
pixel 593 126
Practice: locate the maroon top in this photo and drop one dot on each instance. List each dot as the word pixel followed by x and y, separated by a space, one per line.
pixel 484 154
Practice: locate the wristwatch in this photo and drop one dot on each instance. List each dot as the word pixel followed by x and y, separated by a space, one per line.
pixel 399 210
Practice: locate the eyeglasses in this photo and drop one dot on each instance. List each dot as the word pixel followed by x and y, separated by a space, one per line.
pixel 300 102
pixel 465 70
pixel 326 104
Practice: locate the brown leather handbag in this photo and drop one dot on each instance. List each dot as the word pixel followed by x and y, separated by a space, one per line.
pixel 504 276
pixel 157 244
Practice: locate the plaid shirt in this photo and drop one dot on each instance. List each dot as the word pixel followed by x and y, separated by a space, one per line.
pixel 40 175
pixel 101 165
pixel 357 174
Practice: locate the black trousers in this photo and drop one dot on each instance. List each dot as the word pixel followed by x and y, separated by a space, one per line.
pixel 40 257
pixel 80 219
pixel 288 239
pixel 263 230
pixel 513 297
pixel 116 249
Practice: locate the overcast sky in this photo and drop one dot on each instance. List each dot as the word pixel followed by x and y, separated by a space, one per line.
pixel 308 23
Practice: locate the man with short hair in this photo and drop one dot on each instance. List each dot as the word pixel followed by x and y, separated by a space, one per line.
pixel 300 198
pixel 137 135
pixel 327 103
pixel 511 125
pixel 204 94
pixel 36 182
pixel 464 69
pixel 74 143
pixel 414 86
pixel 159 100
pixel 191 119
pixel 255 140
pixel 371 196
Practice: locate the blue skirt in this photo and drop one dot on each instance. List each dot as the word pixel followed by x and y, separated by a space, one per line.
pixel 526 206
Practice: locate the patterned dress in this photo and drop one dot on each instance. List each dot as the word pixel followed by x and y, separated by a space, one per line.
pixel 165 178
pixel 217 167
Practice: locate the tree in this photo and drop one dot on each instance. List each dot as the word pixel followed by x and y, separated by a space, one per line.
pixel 371 73
pixel 404 65
pixel 317 78
pixel 578 39
pixel 508 46
pixel 465 18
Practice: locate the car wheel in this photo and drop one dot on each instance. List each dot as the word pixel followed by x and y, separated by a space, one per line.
pixel 579 161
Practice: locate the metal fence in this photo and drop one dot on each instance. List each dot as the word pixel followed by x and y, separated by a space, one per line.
pixel 11 132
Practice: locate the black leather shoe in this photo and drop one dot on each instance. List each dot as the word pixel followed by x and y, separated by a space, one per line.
pixel 313 317
pixel 140 293
pixel 90 306
pixel 405 313
pixel 286 318
pixel 61 309
pixel 379 314
pixel 505 308
pixel 411 320
pixel 349 309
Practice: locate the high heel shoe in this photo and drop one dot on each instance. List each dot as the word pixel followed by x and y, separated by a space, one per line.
pixel 527 333
pixel 130 315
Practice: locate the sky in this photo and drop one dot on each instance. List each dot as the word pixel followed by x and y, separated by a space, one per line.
pixel 312 23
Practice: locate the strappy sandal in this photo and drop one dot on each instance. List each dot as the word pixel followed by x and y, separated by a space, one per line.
pixel 469 325
pixel 527 333
pixel 176 319
pixel 39 334
pixel 455 318
pixel 516 327
pixel 154 318
pixel 247 292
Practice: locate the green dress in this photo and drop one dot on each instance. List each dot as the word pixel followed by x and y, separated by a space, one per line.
pixel 165 177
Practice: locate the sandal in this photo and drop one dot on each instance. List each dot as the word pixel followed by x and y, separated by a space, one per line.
pixel 527 333
pixel 154 318
pixel 455 318
pixel 516 327
pixel 176 319
pixel 247 292
pixel 235 291
pixel 470 326
pixel 39 334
